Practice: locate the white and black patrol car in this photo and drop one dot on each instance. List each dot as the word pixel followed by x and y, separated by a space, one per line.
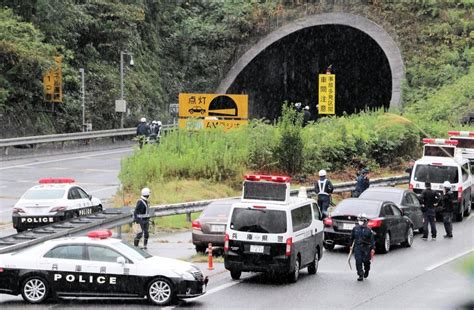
pixel 96 266
pixel 269 231
pixel 53 200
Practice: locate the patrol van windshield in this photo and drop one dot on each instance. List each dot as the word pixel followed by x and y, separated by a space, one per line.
pixel 436 174
pixel 259 220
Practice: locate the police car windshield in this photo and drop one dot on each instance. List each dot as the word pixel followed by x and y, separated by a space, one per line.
pixel 44 194
pixel 134 253
pixel 258 220
pixel 436 174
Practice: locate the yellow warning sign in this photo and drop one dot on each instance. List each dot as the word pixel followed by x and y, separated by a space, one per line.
pixel 327 94
pixel 214 105
pixel 196 124
pixel 52 83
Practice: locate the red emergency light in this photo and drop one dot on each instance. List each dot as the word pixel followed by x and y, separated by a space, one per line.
pixel 56 180
pixel 440 141
pixel 461 133
pixel 100 234
pixel 271 178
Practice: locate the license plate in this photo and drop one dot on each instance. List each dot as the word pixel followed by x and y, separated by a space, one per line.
pixel 256 248
pixel 347 226
pixel 217 228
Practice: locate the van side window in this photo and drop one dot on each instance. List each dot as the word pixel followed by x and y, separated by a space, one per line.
pixel 316 211
pixel 465 172
pixel 301 217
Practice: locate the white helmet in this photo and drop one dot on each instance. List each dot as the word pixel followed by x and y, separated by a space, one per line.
pixel 322 173
pixel 142 120
pixel 447 184
pixel 362 217
pixel 153 122
pixel 306 108
pixel 159 123
pixel 145 191
pixel 298 105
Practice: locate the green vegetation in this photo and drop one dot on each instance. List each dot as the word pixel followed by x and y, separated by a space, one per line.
pixel 174 222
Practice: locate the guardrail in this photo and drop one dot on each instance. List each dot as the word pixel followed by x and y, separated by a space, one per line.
pixel 111 218
pixel 75 136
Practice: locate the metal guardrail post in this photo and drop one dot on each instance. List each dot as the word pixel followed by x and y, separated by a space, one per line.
pixel 188 217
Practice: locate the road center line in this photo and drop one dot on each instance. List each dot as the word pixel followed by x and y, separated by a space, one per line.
pixel 448 260
pixel 64 159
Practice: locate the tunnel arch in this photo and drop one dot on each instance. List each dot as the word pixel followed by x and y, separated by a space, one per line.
pixel 371 29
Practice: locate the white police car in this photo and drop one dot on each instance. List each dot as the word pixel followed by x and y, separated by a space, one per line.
pixel 269 231
pixel 53 200
pixel 96 266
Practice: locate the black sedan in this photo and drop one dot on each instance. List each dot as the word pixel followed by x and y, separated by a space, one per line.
pixel 387 221
pixel 406 200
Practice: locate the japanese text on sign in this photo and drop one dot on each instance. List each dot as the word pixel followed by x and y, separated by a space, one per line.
pixel 217 105
pixel 52 83
pixel 327 94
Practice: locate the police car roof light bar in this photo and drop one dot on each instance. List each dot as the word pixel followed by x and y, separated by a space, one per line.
pixel 461 133
pixel 56 180
pixel 271 178
pixel 440 141
pixel 100 234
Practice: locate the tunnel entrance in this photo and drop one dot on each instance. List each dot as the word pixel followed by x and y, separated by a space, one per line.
pixel 288 70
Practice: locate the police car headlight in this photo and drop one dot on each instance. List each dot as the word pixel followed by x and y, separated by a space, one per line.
pixel 185 275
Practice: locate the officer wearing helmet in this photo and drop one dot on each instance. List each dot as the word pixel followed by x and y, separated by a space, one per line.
pixel 324 188
pixel 143 131
pixel 363 246
pixel 141 216
pixel 447 203
pixel 306 116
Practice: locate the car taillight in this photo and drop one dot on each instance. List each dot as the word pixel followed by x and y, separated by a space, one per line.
pixel 410 186
pixel 327 221
pixel 374 223
pixel 289 244
pixel 459 193
pixel 196 225
pixel 58 209
pixel 226 243
pixel 17 210
pixel 2 270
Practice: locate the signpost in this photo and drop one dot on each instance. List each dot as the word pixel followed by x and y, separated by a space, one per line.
pixel 327 94
pixel 212 111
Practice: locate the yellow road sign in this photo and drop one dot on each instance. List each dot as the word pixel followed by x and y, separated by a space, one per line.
pixel 196 124
pixel 52 83
pixel 215 105
pixel 327 94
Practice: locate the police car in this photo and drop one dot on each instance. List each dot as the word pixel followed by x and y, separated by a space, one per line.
pixel 441 162
pixel 269 231
pixel 96 266
pixel 53 200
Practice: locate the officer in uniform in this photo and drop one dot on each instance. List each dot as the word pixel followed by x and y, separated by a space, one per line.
pixel 448 209
pixel 363 243
pixel 362 182
pixel 142 217
pixel 324 188
pixel 429 200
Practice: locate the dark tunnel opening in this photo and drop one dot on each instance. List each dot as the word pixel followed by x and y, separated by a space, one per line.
pixel 288 70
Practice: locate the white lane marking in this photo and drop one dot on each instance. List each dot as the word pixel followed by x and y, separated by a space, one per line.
pixel 64 159
pixel 103 189
pixel 219 288
pixel 448 260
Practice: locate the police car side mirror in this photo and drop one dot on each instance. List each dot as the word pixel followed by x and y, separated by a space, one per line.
pixel 90 197
pixel 121 260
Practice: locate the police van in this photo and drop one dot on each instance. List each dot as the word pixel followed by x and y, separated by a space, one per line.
pixel 53 200
pixel 441 162
pixel 270 231
pixel 97 266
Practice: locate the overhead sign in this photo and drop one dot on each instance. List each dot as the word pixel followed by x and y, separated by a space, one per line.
pixel 53 83
pixel 218 105
pixel 196 124
pixel 327 94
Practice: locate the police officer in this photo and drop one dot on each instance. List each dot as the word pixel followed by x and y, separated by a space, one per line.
pixel 306 116
pixel 142 216
pixel 363 246
pixel 362 182
pixel 324 189
pixel 429 200
pixel 448 209
pixel 143 131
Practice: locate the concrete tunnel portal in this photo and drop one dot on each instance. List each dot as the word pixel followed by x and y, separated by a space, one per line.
pixel 286 63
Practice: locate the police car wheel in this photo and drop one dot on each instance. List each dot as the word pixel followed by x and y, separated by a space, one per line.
pixel 409 239
pixel 235 274
pixel 34 290
pixel 329 246
pixel 160 292
pixel 293 276
pixel 313 267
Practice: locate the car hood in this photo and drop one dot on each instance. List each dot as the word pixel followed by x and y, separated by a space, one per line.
pixel 168 263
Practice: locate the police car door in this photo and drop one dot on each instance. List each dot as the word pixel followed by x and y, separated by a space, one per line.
pixel 75 200
pixel 86 203
pixel 64 266
pixel 109 276
pixel 302 219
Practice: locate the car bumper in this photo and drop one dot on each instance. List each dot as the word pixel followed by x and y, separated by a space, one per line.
pixel 257 263
pixel 334 237
pixel 190 289
pixel 200 238
pixel 27 222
